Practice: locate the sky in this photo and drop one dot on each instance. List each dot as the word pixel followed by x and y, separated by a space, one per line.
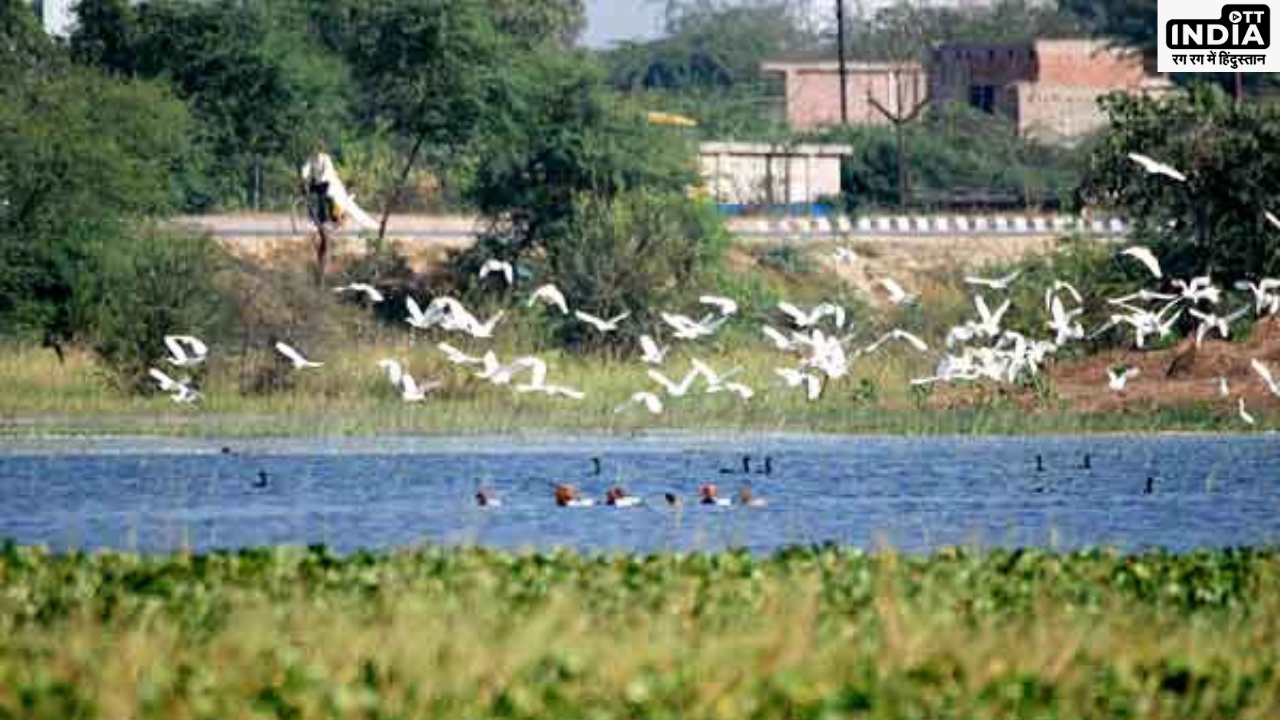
pixel 609 21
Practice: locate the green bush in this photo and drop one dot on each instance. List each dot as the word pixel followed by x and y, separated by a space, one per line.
pixel 142 288
pixel 641 252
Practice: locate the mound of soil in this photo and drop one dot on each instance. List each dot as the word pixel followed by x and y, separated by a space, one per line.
pixel 1180 375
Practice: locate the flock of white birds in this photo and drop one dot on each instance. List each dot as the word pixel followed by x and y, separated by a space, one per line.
pixel 978 349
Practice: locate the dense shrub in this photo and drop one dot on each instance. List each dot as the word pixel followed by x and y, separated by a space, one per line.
pixel 144 287
pixel 641 252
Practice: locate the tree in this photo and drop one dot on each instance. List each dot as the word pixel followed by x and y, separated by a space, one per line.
pixel 429 69
pixel 1230 154
pixel 533 22
pixel 82 157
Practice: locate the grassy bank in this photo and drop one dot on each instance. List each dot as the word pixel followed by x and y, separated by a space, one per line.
pixel 804 634
pixel 351 396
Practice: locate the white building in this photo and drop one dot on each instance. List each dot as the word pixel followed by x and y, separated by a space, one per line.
pixel 756 175
pixel 55 15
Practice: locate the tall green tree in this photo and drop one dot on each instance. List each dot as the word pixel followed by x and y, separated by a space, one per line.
pixel 431 70
pixel 1230 154
pixel 533 22
pixel 82 157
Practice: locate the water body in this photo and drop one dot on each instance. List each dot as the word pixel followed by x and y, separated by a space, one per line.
pixel 913 494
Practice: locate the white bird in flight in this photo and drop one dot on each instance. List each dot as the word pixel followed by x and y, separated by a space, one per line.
pixel 652 352
pixel 795 378
pixel 299 361
pixel 365 289
pixel 803 319
pixel 897 334
pixel 185 350
pixel 897 295
pixel 600 324
pixel 1244 414
pixel 1146 257
pixel 686 328
pixel 394 370
pixel 1155 167
pixel 1000 283
pixel 501 267
pixel 1210 322
pixel 650 401
pixel 1118 379
pixel 1265 373
pixel 412 391
pixel 457 357
pixel 725 305
pixel 181 392
pixel 674 389
pixel 320 171
pixel 551 295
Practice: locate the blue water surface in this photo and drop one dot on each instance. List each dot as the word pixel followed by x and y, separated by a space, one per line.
pixel 913 494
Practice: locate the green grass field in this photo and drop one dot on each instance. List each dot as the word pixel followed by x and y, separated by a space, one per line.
pixel 808 633
pixel 351 396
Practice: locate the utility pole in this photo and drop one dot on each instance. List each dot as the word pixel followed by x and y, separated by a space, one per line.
pixel 844 68
pixel 899 120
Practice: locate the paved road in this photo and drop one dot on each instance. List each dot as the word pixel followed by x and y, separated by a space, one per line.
pixel 453 229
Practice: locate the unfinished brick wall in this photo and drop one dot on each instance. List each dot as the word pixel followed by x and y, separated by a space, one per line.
pixel 1087 64
pixel 813 92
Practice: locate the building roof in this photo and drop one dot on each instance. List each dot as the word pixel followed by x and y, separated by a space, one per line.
pixel 832 66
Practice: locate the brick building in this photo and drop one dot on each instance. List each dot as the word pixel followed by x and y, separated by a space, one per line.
pixel 1048 88
pixel 813 91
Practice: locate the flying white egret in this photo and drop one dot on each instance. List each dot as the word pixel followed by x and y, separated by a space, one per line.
pixel 897 295
pixel 1198 290
pixel 365 289
pixel 551 295
pixel 296 358
pixel 181 392
pixel 501 267
pixel 650 401
pixel 1212 322
pixel 652 352
pixel 1244 414
pixel 1063 322
pixel 484 330
pixel 1224 389
pixel 1060 285
pixel 600 324
pixel 457 357
pixel 714 380
pixel 1000 283
pixel 725 305
pixel 185 350
pixel 897 334
pixel 1265 298
pixel 795 378
pixel 1119 378
pixel 412 391
pixel 1271 218
pixel 1265 373
pixel 687 328
pixel 165 382
pixel 675 389
pixel 989 324
pixel 736 388
pixel 394 370
pixel 803 319
pixel 1146 257
pixel 780 341
pixel 1155 167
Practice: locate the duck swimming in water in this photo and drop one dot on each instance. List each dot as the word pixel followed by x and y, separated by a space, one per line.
pixel 708 496
pixel 768 466
pixel 618 497
pixel 262 480
pixel 745 469
pixel 486 498
pixel 673 499
pixel 568 497
pixel 747 499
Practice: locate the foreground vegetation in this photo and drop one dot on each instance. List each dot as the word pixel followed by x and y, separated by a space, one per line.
pixel 808 633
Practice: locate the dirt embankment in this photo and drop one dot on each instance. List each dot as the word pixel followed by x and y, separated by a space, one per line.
pixel 1177 376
